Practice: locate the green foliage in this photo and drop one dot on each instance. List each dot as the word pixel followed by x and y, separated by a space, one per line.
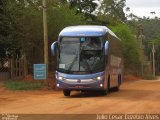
pixel 113 9
pixel 27 21
pixel 24 21
pixel 107 20
pixel 61 16
pixel 9 44
pixel 157 53
pixel 149 77
pixel 152 35
pixel 131 52
pixel 151 28
pixel 22 85
pixel 21 26
pixel 85 6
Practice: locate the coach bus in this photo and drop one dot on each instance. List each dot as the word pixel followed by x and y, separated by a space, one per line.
pixel 88 58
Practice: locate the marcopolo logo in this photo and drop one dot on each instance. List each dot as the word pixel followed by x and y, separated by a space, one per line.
pixel 79 80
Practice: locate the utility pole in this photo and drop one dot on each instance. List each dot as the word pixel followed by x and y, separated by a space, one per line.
pixel 44 5
pixel 153 58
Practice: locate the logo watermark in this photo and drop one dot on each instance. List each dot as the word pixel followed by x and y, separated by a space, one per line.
pixel 9 117
pixel 128 117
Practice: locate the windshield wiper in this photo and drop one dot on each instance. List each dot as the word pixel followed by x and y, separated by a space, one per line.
pixel 70 67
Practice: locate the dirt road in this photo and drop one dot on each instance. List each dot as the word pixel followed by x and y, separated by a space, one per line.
pixel 141 96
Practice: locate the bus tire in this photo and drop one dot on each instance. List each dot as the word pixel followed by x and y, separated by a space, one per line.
pixel 104 92
pixel 66 92
pixel 108 86
pixel 119 83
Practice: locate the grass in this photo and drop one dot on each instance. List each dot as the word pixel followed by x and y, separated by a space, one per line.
pixel 23 85
pixel 149 77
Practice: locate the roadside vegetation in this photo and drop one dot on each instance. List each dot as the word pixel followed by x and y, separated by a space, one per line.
pixel 21 31
pixel 131 51
pixel 23 85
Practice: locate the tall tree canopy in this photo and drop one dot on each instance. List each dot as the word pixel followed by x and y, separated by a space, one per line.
pixel 9 44
pixel 113 9
pixel 85 6
pixel 21 25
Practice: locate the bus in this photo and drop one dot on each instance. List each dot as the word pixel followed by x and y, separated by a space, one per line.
pixel 88 58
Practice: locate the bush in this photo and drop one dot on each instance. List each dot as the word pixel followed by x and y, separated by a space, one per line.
pixel 149 77
pixel 22 85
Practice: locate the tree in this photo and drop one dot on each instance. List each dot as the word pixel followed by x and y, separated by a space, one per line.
pixel 10 46
pixel 157 52
pixel 60 16
pixel 128 9
pixel 153 13
pixel 83 6
pixel 24 18
pixel 113 9
pixel 131 53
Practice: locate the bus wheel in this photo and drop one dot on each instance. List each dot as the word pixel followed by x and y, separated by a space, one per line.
pixel 119 83
pixel 66 92
pixel 104 92
pixel 116 89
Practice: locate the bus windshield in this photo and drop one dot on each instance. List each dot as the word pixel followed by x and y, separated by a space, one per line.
pixel 81 54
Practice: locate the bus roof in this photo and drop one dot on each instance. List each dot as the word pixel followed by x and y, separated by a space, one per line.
pixel 86 30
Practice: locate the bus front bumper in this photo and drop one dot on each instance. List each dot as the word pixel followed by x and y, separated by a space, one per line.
pixel 97 85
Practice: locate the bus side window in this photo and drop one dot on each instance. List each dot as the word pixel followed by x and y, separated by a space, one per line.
pixel 106 50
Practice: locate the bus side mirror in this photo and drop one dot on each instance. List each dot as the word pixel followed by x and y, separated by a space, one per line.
pixel 106 47
pixel 54 47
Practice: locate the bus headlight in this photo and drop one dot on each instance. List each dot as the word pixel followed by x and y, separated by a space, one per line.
pixel 60 78
pixel 99 78
pixel 101 85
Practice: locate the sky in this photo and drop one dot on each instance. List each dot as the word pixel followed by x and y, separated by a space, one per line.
pixel 143 7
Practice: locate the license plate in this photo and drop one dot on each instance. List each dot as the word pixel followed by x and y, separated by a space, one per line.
pixel 79 86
